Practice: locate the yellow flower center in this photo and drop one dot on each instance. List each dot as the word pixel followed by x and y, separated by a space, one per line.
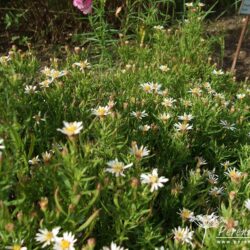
pixel 235 176
pixel 153 179
pixel 101 111
pixel 55 74
pixel 46 83
pixel 65 244
pixel 118 167
pixel 71 129
pixel 147 88
pixel 83 65
pixel 16 247
pixel 179 236
pixel 49 236
pixel 185 214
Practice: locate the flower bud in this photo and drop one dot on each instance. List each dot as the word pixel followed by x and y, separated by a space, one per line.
pixel 43 203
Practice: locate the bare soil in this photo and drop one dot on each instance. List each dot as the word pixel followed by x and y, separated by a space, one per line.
pixel 230 28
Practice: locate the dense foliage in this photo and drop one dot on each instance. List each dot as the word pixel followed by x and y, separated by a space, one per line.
pixel 158 155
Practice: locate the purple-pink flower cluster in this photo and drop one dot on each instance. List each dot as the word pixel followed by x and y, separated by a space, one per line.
pixel 85 6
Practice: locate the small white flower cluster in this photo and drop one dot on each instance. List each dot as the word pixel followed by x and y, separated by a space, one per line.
pixel 46 157
pixel 82 65
pixel 207 221
pixel 48 238
pixel 191 4
pixel 50 74
pixel 184 126
pixel 218 72
pixel 5 59
pixel 53 74
pixel 151 87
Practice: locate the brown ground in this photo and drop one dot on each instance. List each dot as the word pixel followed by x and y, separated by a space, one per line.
pixel 230 28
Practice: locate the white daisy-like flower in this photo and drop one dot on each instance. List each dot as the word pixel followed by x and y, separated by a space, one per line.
pixel 156 87
pixel 168 102
pixel 201 161
pixel 226 164
pixel 212 178
pixel 47 156
pixel 201 4
pixel 219 96
pixel 34 161
pixel 145 128
pixel 30 89
pixel 139 152
pixel 153 180
pixel 229 223
pixel 66 242
pixel 225 124
pixel 2 144
pixel 71 128
pixel 4 59
pixel 207 221
pixel 38 118
pixel 183 127
pixel 46 71
pixel 240 96
pixel 17 246
pixel 139 114
pixel 164 68
pixel 46 237
pixel 189 4
pixel 234 174
pixel 113 246
pixel 117 168
pixel 83 65
pixel 195 91
pixel 218 72
pixel 159 27
pixel 215 191
pixel 164 117
pixel 186 214
pixel 45 83
pixel 54 74
pixel 186 103
pixel 247 204
pixel 101 111
pixel 186 117
pixel 183 235
pixel 147 87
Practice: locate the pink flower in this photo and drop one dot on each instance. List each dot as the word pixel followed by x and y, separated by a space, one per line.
pixel 85 6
